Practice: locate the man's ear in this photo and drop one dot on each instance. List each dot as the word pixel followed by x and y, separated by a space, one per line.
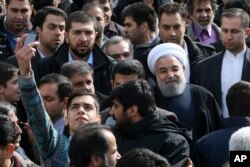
pixel 66 37
pixel 66 121
pixel 191 16
pixel 32 7
pixel 96 34
pixel 98 119
pixel 247 32
pixel 144 26
pixel 95 160
pixel 132 111
pixel 38 29
pixel 65 100
pixel 10 148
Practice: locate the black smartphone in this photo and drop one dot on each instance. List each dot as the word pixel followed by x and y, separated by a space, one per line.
pixel 31 37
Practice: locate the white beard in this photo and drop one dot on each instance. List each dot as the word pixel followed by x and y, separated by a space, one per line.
pixel 174 88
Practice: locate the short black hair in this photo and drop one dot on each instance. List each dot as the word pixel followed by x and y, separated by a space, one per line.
pixel 128 67
pixel 238 99
pixel 64 86
pixel 242 4
pixel 237 12
pixel 88 140
pixel 172 8
pixel 80 17
pixel 42 14
pixel 141 12
pixel 40 4
pixel 7 131
pixel 8 1
pixel 137 93
pixel 142 157
pixel 7 71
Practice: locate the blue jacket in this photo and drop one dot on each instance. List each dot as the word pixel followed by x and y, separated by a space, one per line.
pixel 213 149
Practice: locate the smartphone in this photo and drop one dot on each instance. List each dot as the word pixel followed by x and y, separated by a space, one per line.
pixel 31 37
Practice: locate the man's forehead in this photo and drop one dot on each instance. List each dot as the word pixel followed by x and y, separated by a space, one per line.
pixel 83 99
pixel 18 2
pixel 165 17
pixel 82 26
pixel 82 76
pixel 101 1
pixel 168 60
pixel 51 16
pixel 129 19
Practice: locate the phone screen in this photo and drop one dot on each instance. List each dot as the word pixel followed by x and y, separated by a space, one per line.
pixel 31 37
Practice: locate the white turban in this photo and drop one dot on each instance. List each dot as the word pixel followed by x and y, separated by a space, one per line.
pixel 166 49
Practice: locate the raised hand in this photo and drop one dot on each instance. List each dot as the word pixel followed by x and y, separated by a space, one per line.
pixel 24 54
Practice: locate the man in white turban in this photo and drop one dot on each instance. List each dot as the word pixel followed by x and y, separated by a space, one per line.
pixel 194 106
pixel 169 49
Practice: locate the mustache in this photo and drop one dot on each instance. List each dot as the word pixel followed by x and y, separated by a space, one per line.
pixel 172 79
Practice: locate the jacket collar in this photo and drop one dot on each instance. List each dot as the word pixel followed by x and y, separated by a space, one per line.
pixel 100 59
pixel 235 122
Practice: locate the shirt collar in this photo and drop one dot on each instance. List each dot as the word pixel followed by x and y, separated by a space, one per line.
pixel 152 39
pixel 237 56
pixel 40 53
pixel 90 59
pixel 198 30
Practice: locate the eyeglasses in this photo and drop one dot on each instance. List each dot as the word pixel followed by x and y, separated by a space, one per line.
pixel 124 54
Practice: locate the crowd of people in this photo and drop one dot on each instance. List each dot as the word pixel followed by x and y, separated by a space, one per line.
pixel 139 83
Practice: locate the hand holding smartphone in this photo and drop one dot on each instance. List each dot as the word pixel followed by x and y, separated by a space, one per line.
pixel 31 37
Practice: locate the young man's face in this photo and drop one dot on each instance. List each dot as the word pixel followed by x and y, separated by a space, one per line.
pixel 51 35
pixel 106 6
pixel 10 92
pixel 81 38
pixel 99 15
pixel 51 101
pixel 121 115
pixel 172 28
pixel 233 34
pixel 18 14
pixel 133 31
pixel 82 110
